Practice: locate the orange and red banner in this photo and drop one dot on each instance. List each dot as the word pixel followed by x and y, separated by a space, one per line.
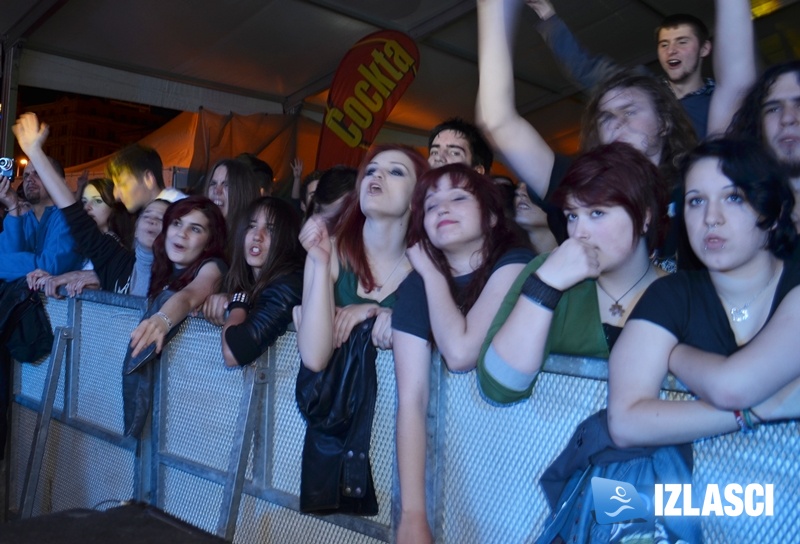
pixel 369 82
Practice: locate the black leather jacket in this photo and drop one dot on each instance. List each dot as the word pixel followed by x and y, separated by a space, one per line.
pixel 338 404
pixel 268 320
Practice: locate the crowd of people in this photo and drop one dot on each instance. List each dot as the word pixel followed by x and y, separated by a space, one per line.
pixel 667 245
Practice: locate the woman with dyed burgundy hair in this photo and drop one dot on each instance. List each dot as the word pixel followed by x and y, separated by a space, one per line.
pixel 188 258
pixel 466 254
pixel 353 275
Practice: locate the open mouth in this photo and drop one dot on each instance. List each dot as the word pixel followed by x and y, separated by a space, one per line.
pixel 218 203
pixel 374 189
pixel 255 251
pixel 673 63
pixel 713 243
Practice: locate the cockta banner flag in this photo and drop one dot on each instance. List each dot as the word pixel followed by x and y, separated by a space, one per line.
pixel 369 82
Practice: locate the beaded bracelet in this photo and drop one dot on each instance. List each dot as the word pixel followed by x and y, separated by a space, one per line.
pixel 743 420
pixel 166 319
pixel 540 293
pixel 239 300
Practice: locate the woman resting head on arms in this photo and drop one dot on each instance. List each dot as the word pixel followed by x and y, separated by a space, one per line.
pixel 576 299
pixel 466 253
pixel 353 276
pixel 111 218
pixel 266 279
pixel 738 219
pixel 189 259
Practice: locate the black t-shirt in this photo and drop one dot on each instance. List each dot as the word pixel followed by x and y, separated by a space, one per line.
pixel 411 309
pixel 686 305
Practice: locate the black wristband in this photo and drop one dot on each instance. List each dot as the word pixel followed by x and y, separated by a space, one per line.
pixel 239 300
pixel 243 305
pixel 540 293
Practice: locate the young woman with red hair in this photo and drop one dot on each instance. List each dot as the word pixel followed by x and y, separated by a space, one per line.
pixel 188 258
pixel 465 254
pixel 353 275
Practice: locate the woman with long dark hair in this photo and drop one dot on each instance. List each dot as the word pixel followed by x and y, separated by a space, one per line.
pixel 466 253
pixel 265 279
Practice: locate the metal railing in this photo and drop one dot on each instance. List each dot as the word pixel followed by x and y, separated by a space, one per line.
pixel 223 451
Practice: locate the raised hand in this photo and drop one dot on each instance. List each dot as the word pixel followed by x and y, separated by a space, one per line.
pixel 315 240
pixel 30 134
pixel 297 167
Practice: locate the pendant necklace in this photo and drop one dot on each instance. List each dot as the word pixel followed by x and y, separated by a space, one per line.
pixel 616 309
pixel 741 313
pixel 379 286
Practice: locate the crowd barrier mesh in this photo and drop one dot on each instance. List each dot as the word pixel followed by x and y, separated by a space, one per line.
pixel 485 461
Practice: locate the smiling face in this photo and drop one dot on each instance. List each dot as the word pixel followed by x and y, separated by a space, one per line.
pixel 720 223
pixel 387 185
pixel 150 223
pixel 780 117
pixel 96 207
pixel 218 189
pixel 186 238
pixel 680 53
pixel 257 240
pixel 628 115
pixel 453 218
pixel 607 228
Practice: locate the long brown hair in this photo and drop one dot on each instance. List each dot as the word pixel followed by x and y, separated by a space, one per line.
pixel 120 222
pixel 286 254
pixel 678 136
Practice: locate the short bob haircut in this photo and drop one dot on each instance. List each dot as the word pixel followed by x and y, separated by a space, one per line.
pixel 162 271
pixel 120 222
pixel 349 230
pixel 676 130
pixel 616 174
pixel 763 182
pixel 285 255
pixel 499 234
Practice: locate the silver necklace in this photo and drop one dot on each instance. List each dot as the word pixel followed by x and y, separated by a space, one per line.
pixel 379 286
pixel 741 313
pixel 616 309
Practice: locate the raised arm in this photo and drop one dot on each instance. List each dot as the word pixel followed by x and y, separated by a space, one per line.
pixel 523 148
pixel 315 328
pixel 734 62
pixel 753 373
pixel 31 136
pixel 412 362
pixel 582 67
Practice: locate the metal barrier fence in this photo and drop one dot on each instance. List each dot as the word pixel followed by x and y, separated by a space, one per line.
pixel 225 447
